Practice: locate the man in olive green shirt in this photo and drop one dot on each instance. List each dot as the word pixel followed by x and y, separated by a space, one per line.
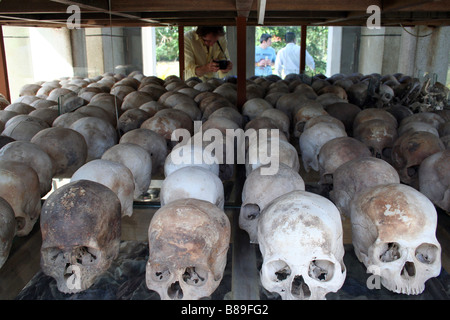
pixel 201 48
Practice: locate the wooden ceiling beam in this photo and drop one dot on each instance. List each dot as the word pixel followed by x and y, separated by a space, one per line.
pixel 103 6
pixel 243 7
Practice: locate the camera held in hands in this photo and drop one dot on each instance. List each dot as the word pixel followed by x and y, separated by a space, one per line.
pixel 223 64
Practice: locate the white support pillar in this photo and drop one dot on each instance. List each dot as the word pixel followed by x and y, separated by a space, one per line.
pixel 149 51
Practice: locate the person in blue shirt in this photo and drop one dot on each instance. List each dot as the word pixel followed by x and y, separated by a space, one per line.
pixel 265 56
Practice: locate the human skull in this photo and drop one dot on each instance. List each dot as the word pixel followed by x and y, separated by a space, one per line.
pixel 190 154
pixel 393 234
pixel 300 238
pixel 408 152
pixel 335 153
pixel 306 112
pixel 165 121
pixel 357 175
pixel 312 140
pixel 19 185
pixel 434 179
pixel 271 151
pixel 7 230
pixel 259 190
pixel 99 134
pixel 23 127
pixel 151 141
pixel 113 175
pixel 431 118
pixel 254 107
pixel 417 126
pixel 374 114
pixel 379 136
pixel 81 226
pixel 137 160
pixel 66 147
pixel 32 155
pixel 188 244
pixel 193 182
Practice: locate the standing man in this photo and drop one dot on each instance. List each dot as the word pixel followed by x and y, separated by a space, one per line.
pixel 202 48
pixel 265 56
pixel 288 58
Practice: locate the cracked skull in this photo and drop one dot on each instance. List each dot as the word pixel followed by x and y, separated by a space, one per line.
pixel 300 238
pixel 80 224
pixel 188 244
pixel 394 236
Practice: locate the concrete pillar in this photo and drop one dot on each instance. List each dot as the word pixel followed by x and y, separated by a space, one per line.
pixel 371 50
pixel 334 51
pixel 432 47
pixel 94 52
pixel 149 51
pixel 113 49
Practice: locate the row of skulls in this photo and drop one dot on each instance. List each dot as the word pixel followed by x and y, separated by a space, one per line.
pixel 117 133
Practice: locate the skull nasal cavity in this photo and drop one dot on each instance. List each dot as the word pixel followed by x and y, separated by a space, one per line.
pixel 174 291
pixel 300 288
pixel 409 270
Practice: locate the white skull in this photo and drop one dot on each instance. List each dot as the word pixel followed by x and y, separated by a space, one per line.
pixel 32 155
pixel 7 229
pixel 394 235
pixel 312 140
pixel 80 225
pixel 434 179
pixel 188 244
pixel 357 175
pixel 19 185
pixel 137 160
pixel 259 190
pixel 113 175
pixel 336 152
pixel 271 151
pixel 300 238
pixel 190 154
pixel 193 182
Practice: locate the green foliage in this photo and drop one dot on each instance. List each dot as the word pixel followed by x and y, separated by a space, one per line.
pixel 316 42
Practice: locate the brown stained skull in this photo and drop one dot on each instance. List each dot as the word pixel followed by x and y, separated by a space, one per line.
pixel 80 225
pixel 379 136
pixel 372 114
pixel 410 150
pixel 188 244
pixel 394 236
pixel 335 153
